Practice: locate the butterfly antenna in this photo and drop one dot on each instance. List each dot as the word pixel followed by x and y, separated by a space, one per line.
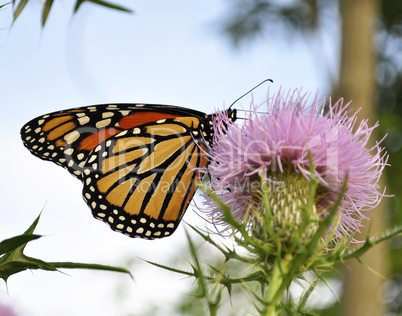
pixel 262 82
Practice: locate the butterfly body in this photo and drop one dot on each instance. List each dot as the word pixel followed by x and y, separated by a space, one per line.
pixel 136 161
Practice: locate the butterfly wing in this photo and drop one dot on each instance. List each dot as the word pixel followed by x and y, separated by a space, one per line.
pixel 136 161
pixel 141 181
pixel 67 137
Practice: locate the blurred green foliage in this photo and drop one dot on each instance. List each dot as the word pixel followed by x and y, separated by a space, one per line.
pixel 19 6
pixel 13 259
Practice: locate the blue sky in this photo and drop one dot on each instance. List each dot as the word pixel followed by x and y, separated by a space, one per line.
pixel 166 52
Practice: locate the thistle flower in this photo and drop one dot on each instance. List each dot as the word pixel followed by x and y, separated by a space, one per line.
pixel 277 147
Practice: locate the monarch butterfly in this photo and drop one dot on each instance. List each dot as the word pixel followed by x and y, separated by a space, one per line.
pixel 136 161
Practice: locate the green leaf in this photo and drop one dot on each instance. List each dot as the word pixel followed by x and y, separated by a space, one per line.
pixel 170 268
pixel 358 251
pixel 3 5
pixel 46 9
pixel 92 266
pixel 77 5
pixel 14 260
pixel 12 243
pixel 110 5
pixel 20 7
pixel 31 228
pixel 307 293
pixel 102 3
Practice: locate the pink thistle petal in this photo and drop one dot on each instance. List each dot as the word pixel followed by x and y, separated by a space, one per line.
pixel 283 139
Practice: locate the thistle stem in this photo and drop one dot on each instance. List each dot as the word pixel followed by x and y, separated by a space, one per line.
pixel 273 298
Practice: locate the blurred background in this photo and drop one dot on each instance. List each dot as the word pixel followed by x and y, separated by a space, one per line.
pixel 201 55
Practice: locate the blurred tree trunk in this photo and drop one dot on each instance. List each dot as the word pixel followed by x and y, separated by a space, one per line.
pixel 363 288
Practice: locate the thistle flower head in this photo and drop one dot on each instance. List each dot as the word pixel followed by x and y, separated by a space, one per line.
pixel 277 148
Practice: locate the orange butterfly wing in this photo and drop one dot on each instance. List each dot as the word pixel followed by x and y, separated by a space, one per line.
pixel 141 181
pixel 136 161
pixel 67 137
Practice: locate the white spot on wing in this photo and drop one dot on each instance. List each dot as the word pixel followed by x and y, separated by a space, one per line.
pixel 107 114
pixel 92 159
pixel 69 151
pixel 71 137
pixel 83 120
pixel 122 133
pixel 103 123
